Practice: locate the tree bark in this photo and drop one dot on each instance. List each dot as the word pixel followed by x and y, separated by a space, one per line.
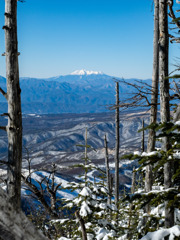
pixel 176 116
pixel 14 225
pixel 130 223
pixel 142 140
pixel 14 128
pixel 107 171
pixel 154 99
pixel 117 146
pixel 52 189
pixel 86 158
pixel 164 99
pixel 133 181
pixel 82 224
pixel 155 78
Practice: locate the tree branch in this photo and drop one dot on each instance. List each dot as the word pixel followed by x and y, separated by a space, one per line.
pixel 172 15
pixel 176 87
pixel 3 162
pixel 4 128
pixel 40 195
pixel 175 39
pixel 139 96
pixel 3 93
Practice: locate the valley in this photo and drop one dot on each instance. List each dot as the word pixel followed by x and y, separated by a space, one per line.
pixel 56 113
pixel 53 138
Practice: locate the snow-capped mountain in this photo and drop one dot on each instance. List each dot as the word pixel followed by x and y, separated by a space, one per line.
pixel 85 72
pixel 81 91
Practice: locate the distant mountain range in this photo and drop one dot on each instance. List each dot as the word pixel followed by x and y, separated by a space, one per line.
pixel 79 92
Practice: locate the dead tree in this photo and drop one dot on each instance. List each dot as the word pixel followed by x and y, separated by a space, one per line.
pixel 133 181
pixel 139 97
pixel 155 79
pixel 82 224
pixel 85 156
pixel 130 222
pixel 14 225
pixel 111 183
pixel 13 96
pixel 117 145
pixel 175 21
pixel 142 139
pixel 164 99
pixel 52 189
pixel 154 99
pixel 40 195
pixel 41 192
pixel 29 159
pixel 107 170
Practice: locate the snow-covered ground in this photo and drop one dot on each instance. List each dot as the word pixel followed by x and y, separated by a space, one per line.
pixel 54 138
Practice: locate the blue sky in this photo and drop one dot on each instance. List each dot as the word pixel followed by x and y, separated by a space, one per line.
pixel 60 36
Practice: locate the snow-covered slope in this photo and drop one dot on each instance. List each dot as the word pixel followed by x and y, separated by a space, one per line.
pixel 49 139
pixel 54 138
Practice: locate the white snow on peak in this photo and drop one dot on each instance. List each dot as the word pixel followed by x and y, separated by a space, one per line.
pixel 85 72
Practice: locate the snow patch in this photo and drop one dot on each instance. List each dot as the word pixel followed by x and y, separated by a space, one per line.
pixel 85 192
pixel 85 210
pixel 137 153
pixel 64 238
pixel 145 154
pixel 85 72
pixel 177 123
pixel 160 234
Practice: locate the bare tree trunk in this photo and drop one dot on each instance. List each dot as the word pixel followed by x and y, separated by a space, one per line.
pixel 83 229
pixel 133 181
pixel 14 225
pixel 176 116
pixel 14 128
pixel 142 140
pixel 164 99
pixel 111 183
pixel 40 195
pixel 53 192
pixel 130 234
pixel 117 146
pixel 155 78
pixel 154 99
pixel 52 189
pixel 107 170
pixel 85 157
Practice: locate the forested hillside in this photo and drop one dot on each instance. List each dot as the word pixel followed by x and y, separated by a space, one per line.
pixel 75 93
